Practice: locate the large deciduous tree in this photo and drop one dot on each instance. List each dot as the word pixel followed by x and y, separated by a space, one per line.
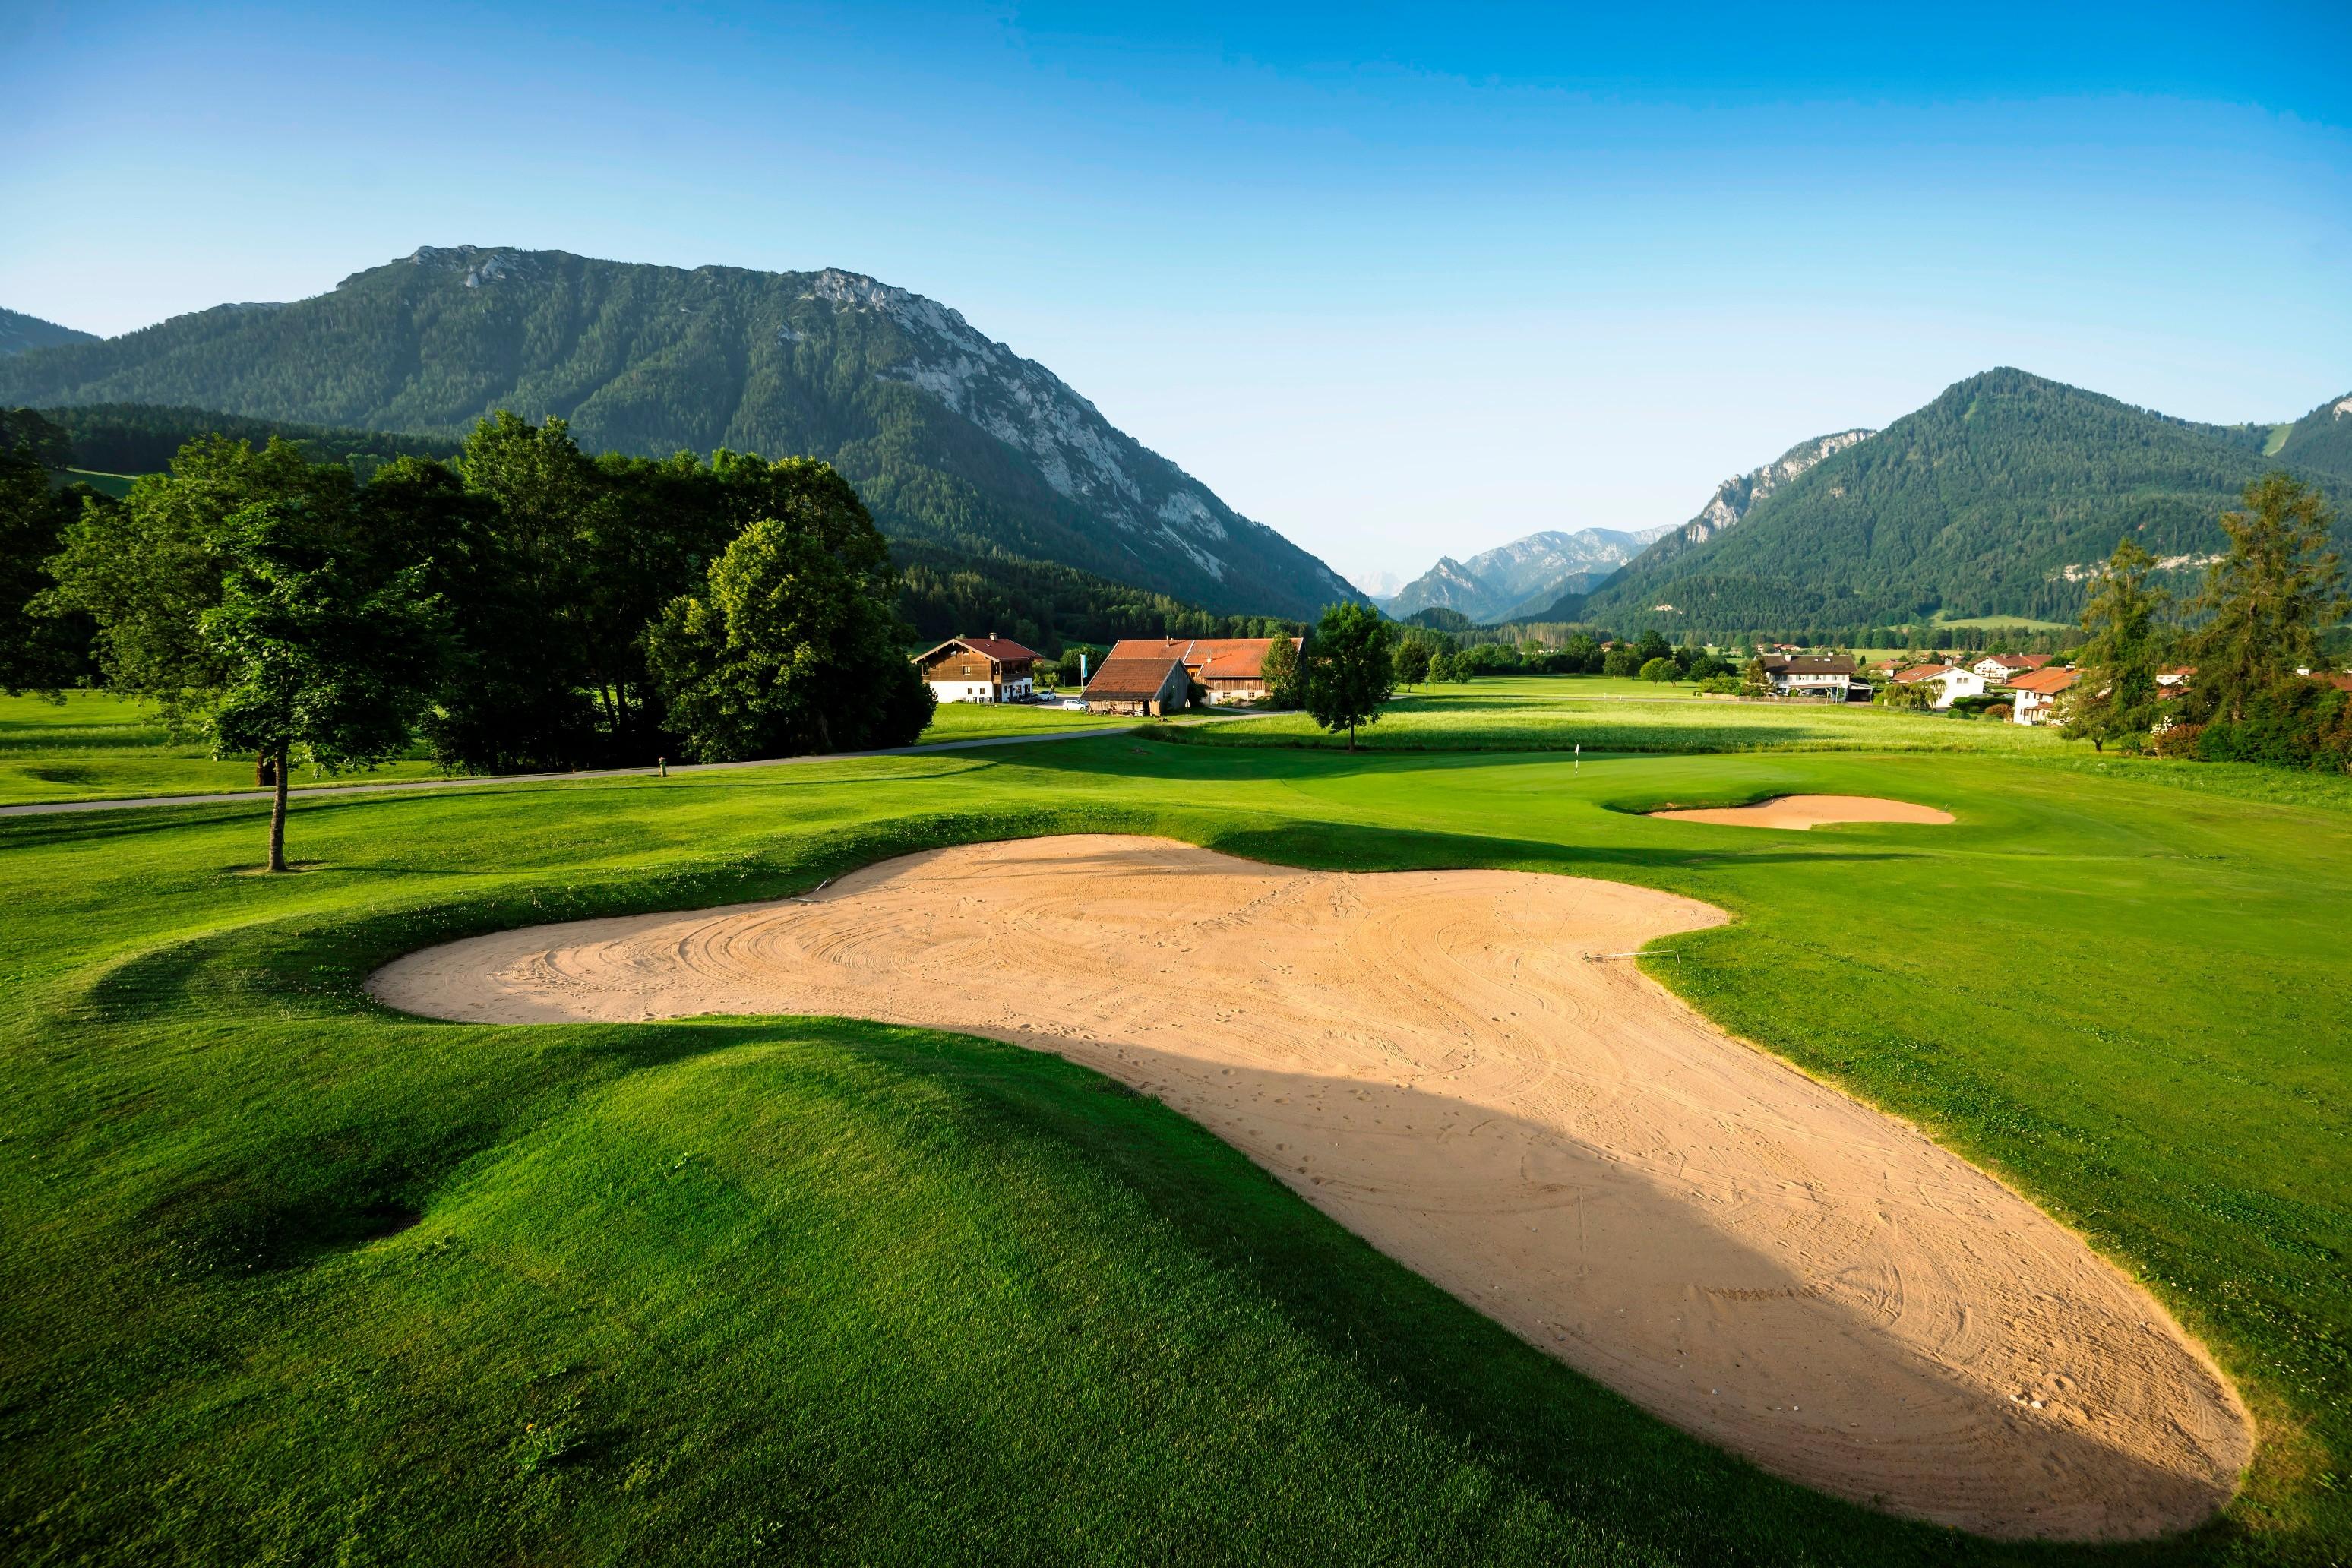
pixel 144 572
pixel 318 655
pixel 1350 668
pixel 795 643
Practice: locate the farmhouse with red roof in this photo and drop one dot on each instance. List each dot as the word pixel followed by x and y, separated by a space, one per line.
pixel 1231 669
pixel 979 669
pixel 2037 693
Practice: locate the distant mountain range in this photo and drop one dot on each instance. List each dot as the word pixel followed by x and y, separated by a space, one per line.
pixel 1995 499
pixel 1522 576
pixel 19 332
pixel 953 439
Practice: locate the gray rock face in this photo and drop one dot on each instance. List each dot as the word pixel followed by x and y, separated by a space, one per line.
pixel 1523 577
pixel 1021 403
pixel 1736 497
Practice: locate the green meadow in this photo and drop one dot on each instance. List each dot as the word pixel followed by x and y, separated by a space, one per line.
pixel 1557 712
pixel 292 1278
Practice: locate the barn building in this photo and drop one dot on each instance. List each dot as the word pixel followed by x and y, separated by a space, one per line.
pixel 1231 669
pixel 1149 685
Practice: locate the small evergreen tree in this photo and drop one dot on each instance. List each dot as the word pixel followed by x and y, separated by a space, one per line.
pixel 2268 598
pixel 2115 697
pixel 1413 662
pixel 1285 681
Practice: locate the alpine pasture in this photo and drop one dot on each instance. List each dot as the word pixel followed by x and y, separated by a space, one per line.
pixel 297 1278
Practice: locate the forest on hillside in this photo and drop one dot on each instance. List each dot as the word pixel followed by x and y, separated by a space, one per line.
pixel 1995 500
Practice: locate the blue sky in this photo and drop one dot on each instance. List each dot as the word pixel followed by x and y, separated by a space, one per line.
pixel 1397 280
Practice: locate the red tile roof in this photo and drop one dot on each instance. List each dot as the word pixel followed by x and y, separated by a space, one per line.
pixel 1210 658
pixel 1924 672
pixel 1132 677
pixel 2046 682
pixel 1004 650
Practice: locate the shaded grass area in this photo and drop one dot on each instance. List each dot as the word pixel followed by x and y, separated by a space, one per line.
pixel 972 720
pixel 718 1289
pixel 98 746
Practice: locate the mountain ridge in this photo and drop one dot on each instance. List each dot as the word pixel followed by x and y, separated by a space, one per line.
pixel 1532 570
pixel 20 333
pixel 1993 499
pixel 951 438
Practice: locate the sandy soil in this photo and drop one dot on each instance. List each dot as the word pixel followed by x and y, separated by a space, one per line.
pixel 1804 811
pixel 1433 1059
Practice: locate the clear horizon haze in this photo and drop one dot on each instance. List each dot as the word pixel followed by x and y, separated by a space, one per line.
pixel 1399 283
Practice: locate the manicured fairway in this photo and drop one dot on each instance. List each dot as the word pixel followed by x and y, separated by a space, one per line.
pixel 722 1289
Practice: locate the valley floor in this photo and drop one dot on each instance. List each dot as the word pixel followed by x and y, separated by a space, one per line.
pixel 292 1276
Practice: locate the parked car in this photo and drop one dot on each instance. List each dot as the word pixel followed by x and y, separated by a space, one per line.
pixel 1074 704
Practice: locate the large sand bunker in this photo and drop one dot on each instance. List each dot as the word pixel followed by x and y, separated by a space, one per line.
pixel 1430 1058
pixel 1806 811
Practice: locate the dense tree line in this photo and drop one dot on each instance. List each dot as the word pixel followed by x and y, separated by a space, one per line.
pixel 523 606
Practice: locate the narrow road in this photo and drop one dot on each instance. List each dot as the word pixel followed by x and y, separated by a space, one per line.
pixel 51 807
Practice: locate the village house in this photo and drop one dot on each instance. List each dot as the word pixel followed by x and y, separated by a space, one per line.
pixel 979 669
pixel 2037 693
pixel 1833 676
pixel 1149 685
pixel 2177 676
pixel 1231 669
pixel 1948 682
pixel 2001 668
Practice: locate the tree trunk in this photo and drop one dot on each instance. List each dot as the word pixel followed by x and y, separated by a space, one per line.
pixel 1351 737
pixel 277 817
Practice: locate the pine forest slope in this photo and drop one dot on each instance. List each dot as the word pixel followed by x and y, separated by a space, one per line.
pixel 953 439
pixel 1993 500
pixel 20 332
pixel 2321 439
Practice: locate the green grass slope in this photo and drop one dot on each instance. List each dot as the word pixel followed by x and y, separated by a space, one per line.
pixel 288 1277
pixel 1976 505
pixel 950 439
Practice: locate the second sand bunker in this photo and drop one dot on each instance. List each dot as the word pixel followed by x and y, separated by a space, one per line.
pixel 1433 1059
pixel 1808 810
